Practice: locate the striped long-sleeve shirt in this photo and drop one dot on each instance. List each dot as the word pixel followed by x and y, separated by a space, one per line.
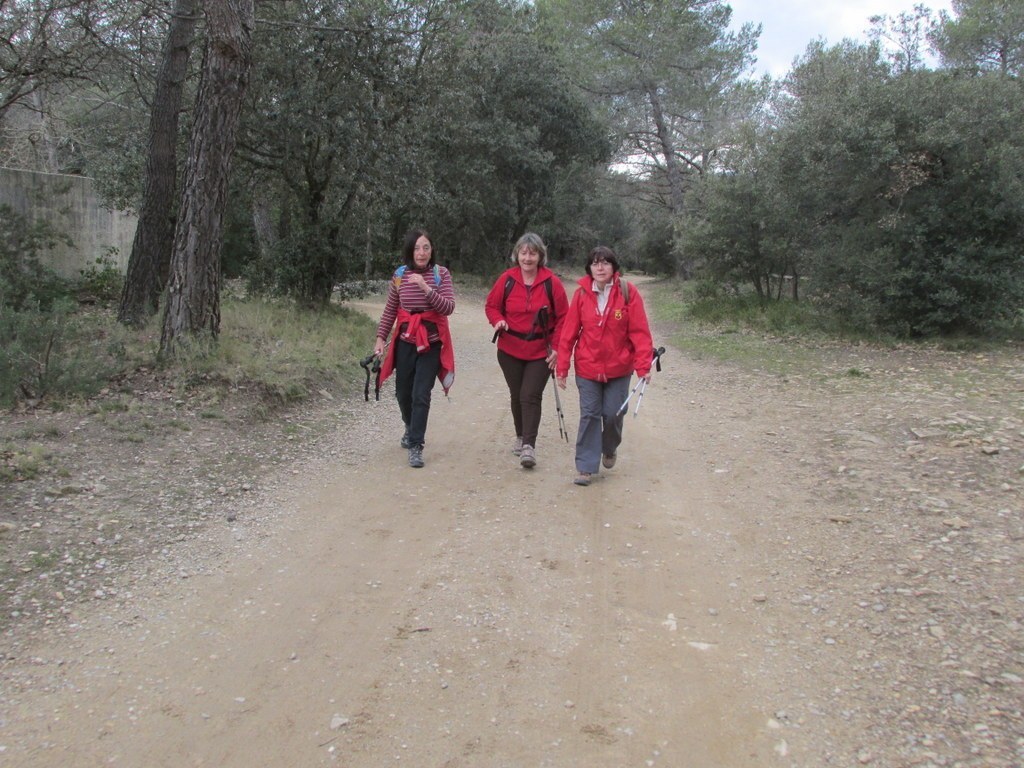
pixel 410 297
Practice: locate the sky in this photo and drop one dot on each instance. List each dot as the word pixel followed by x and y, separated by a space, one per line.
pixel 789 25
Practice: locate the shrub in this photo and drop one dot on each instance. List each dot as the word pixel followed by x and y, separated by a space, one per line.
pixel 102 281
pixel 23 277
pixel 54 353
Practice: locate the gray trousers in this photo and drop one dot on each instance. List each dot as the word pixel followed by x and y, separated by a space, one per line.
pixel 600 430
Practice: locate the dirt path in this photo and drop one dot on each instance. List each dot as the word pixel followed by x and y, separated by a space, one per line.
pixel 476 614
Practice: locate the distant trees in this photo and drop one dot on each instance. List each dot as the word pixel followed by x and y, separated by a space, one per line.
pixel 985 35
pixel 896 195
pixel 369 117
pixel 887 193
pixel 48 49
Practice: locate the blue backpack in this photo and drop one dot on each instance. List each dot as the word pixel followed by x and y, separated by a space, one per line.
pixel 397 277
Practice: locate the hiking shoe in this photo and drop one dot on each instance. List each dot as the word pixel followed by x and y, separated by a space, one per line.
pixel 583 478
pixel 527 457
pixel 608 460
pixel 405 440
pixel 517 446
pixel 416 456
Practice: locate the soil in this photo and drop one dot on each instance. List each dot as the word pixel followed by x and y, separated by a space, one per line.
pixel 815 569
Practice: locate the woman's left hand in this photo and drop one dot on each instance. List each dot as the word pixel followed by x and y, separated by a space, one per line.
pixel 552 359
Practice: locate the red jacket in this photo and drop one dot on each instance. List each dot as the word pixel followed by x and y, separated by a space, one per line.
pixel 606 346
pixel 416 333
pixel 520 312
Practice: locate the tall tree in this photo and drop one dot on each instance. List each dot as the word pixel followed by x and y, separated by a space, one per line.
pixel 904 37
pixel 983 35
pixel 668 74
pixel 52 51
pixel 42 42
pixel 910 188
pixel 150 259
pixel 515 127
pixel 331 89
pixel 193 301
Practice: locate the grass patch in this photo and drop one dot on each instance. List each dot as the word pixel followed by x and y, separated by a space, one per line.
pixel 732 329
pixel 786 338
pixel 33 433
pixel 281 351
pixel 17 465
pixel 275 350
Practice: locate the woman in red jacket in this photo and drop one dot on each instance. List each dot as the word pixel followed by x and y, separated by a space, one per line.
pixel 607 334
pixel 526 307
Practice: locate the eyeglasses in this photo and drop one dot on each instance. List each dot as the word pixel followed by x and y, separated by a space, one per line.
pixel 600 261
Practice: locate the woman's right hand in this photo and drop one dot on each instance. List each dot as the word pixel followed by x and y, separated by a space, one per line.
pixel 560 380
pixel 501 325
pixel 378 347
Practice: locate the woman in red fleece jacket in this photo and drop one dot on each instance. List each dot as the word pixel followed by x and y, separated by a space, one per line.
pixel 608 338
pixel 528 317
pixel 420 299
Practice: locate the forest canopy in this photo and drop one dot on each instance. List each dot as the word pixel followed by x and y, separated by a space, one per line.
pixel 866 183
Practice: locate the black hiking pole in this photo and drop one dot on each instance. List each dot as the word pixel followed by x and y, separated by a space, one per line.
pixel 371 363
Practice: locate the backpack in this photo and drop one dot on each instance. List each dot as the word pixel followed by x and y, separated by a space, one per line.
pixel 397 277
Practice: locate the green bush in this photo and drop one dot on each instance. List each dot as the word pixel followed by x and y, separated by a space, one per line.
pixel 23 277
pixel 47 347
pixel 102 281
pixel 46 353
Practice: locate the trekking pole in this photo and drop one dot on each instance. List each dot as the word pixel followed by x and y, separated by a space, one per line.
pixel 562 431
pixel 641 385
pixel 542 321
pixel 640 399
pixel 371 364
pixel 657 357
pixel 365 365
pixel 625 403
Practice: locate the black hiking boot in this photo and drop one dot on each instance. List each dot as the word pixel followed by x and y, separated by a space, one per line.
pixel 416 456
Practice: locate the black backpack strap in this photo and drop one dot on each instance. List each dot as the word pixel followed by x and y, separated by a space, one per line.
pixel 533 334
pixel 510 284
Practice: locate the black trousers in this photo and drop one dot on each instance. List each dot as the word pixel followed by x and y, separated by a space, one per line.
pixel 415 374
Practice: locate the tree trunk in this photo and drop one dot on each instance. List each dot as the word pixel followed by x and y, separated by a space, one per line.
pixel 193 295
pixel 150 259
pixel 668 152
pixel 263 220
pixel 46 147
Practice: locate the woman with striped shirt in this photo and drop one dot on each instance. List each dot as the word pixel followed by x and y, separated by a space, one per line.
pixel 420 299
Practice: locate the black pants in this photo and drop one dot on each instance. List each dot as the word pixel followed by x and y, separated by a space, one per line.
pixel 526 380
pixel 415 374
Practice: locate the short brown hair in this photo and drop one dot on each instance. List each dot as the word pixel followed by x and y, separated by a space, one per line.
pixel 603 253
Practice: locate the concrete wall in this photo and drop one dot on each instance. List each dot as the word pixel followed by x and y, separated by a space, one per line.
pixel 72 207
